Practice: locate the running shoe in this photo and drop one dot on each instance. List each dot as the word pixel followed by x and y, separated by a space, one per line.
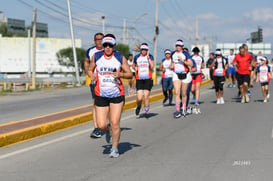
pixel 265 100
pixel 243 100
pixel 222 101
pixel 249 93
pixel 198 110
pixel 177 114
pixel 189 110
pixel 165 99
pixel 138 110
pixel 229 85
pixel 234 85
pixel 268 95
pixel 114 153
pixel 194 110
pixel 131 91
pixel 251 86
pixel 247 98
pixel 108 134
pixel 218 101
pixel 95 133
pixel 184 113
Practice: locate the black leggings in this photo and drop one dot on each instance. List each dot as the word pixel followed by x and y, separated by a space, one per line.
pixel 219 83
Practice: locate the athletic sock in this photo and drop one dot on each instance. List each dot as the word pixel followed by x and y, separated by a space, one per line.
pixel 177 106
pixel 146 109
pixel 184 107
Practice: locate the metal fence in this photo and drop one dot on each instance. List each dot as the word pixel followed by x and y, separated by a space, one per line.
pixel 12 83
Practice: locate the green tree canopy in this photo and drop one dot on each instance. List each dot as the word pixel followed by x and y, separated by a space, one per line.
pixel 124 49
pixel 65 57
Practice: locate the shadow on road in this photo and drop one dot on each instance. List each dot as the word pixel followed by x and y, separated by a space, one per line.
pixel 121 129
pixel 150 115
pixel 122 147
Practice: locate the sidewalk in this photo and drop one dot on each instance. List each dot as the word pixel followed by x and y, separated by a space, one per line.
pixel 22 130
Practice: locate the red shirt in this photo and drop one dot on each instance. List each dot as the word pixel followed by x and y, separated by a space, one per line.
pixel 243 63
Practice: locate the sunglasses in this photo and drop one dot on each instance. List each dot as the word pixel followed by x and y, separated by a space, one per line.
pixel 108 45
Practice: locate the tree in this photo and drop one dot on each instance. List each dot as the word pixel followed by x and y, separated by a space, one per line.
pixel 124 49
pixel 65 57
pixel 4 30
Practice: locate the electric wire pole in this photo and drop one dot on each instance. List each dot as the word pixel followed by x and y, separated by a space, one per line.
pixel 73 44
pixel 155 41
pixel 33 80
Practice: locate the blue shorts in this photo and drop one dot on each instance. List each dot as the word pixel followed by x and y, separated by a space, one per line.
pixel 231 71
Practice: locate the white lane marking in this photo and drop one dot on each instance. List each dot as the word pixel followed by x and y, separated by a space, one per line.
pixel 67 137
pixel 272 134
pixel 43 144
pixel 59 139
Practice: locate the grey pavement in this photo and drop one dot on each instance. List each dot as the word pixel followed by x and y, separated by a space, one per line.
pixel 231 142
pixel 25 105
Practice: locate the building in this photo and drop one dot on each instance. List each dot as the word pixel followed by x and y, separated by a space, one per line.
pixel 255 48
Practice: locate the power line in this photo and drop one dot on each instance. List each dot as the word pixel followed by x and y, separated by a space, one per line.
pixel 52 16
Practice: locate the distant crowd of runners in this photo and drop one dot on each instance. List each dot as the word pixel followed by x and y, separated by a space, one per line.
pixel 181 74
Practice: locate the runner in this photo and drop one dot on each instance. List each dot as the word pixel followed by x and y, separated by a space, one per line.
pixel 219 74
pixel 242 63
pixel 132 80
pixel 181 61
pixel 110 66
pixel 143 63
pixel 231 70
pixel 209 62
pixel 89 54
pixel 252 65
pixel 263 76
pixel 197 78
pixel 167 76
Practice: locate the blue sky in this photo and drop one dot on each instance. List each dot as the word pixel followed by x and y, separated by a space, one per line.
pixel 225 21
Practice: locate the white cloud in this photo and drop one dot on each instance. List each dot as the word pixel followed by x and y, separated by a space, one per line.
pixel 209 17
pixel 261 14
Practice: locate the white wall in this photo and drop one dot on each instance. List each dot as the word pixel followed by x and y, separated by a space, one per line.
pixel 14 54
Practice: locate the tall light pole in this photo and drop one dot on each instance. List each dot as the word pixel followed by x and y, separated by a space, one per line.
pixel 33 84
pixel 73 44
pixel 103 24
pixel 155 40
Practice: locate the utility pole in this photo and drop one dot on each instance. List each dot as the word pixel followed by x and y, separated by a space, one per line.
pixel 124 32
pixel 33 85
pixel 73 44
pixel 196 31
pixel 155 40
pixel 103 24
pixel 29 53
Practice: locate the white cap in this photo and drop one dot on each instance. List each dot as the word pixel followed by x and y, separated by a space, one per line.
pixel 108 39
pixel 144 47
pixel 179 43
pixel 261 58
pixel 218 52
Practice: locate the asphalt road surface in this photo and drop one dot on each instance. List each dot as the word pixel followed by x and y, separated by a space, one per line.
pixel 230 142
pixel 26 105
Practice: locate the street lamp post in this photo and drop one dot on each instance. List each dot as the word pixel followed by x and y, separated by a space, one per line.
pixel 103 24
pixel 73 44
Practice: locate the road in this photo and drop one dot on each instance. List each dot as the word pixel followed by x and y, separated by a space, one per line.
pixel 225 142
pixel 26 105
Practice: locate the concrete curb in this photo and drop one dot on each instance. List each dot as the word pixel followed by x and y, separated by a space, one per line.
pixel 34 131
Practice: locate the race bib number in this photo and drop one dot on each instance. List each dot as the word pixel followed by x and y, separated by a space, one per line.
pixel 107 81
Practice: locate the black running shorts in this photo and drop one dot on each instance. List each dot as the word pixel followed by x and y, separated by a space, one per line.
pixel 104 101
pixel 145 84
